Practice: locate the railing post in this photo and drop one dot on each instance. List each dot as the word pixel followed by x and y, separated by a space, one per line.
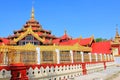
pixel 90 58
pixel 101 57
pixel 71 54
pixel 111 56
pixel 4 56
pixel 108 57
pixel 38 55
pixel 105 56
pixel 96 57
pixel 58 56
pixel 82 56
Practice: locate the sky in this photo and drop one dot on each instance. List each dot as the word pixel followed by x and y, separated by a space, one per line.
pixel 78 17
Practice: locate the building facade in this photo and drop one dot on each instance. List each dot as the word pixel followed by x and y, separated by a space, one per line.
pixel 34 53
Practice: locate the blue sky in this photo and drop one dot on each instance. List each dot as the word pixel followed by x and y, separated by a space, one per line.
pixel 79 17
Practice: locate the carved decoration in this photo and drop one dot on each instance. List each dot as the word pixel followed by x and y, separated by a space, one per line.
pixel 29 31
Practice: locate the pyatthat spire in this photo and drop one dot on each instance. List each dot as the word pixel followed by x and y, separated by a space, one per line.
pixel 117 34
pixel 32 14
pixel 65 32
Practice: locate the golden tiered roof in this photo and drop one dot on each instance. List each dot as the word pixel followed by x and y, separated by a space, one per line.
pixel 29 31
pixel 32 27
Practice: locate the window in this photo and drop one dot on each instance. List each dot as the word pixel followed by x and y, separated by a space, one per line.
pixel 23 43
pixel 35 43
pixel 29 39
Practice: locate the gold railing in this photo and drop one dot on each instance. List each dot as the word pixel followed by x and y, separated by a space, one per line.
pixel 27 54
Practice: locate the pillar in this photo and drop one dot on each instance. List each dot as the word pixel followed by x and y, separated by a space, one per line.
pixel 104 63
pixel 4 56
pixel 96 57
pixel 108 57
pixel 101 57
pixel 105 56
pixel 58 56
pixel 90 57
pixel 38 55
pixel 71 54
pixel 82 56
pixel 111 56
pixel 84 70
pixel 18 71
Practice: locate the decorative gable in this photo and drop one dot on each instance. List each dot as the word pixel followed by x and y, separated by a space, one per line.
pixel 29 32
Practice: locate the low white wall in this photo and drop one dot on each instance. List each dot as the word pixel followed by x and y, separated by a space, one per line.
pixel 5 74
pixel 117 60
pixel 57 73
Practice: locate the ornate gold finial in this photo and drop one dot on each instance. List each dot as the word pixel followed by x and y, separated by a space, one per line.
pixel 32 14
pixel 117 34
pixel 65 32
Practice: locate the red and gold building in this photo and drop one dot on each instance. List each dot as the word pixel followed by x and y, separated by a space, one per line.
pixel 49 57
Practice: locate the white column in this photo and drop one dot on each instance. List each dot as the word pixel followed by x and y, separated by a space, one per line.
pixel 58 56
pixel 90 57
pixel 101 57
pixel 108 57
pixel 71 54
pixel 96 57
pixel 105 56
pixel 111 57
pixel 82 56
pixel 4 56
pixel 38 55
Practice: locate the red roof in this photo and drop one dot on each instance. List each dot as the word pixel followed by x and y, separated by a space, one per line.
pixel 101 47
pixel 39 33
pixel 56 41
pixel 85 41
pixel 82 42
pixel 4 41
pixel 70 42
pixel 65 36
pixel 34 28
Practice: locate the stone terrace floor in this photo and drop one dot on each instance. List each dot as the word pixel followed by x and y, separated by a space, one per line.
pixel 112 73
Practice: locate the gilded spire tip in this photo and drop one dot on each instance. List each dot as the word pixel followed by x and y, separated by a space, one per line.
pixel 32 14
pixel 117 34
pixel 65 32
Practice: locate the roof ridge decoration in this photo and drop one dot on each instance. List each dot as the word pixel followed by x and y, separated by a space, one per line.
pixel 29 46
pixel 65 32
pixel 29 31
pixel 32 14
pixel 82 48
pixel 117 34
pixel 79 39
pixel 92 38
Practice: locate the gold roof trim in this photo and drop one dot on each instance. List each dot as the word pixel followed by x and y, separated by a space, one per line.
pixel 29 31
pixel 31 47
pixel 92 38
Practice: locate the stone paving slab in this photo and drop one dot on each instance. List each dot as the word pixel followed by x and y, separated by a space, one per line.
pixel 108 74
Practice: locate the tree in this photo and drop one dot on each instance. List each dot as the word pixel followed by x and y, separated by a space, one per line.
pixel 100 39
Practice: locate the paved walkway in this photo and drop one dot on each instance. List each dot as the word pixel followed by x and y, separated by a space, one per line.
pixel 113 73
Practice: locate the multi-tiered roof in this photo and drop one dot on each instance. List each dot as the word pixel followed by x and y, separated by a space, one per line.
pixel 32 32
pixel 34 28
